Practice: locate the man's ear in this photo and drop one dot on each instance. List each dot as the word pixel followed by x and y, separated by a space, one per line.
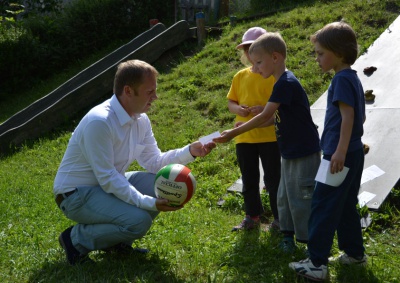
pixel 128 90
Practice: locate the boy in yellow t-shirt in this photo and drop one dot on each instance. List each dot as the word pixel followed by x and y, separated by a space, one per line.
pixel 248 95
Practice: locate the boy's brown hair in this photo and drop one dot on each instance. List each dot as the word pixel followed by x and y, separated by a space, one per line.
pixel 339 38
pixel 270 42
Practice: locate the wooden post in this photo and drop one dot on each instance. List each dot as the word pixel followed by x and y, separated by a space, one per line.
pixel 201 31
pixel 233 20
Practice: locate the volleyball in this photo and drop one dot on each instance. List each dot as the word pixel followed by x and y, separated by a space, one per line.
pixel 176 183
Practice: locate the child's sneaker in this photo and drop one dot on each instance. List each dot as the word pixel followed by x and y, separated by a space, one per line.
pixel 348 260
pixel 248 223
pixel 274 226
pixel 288 246
pixel 307 269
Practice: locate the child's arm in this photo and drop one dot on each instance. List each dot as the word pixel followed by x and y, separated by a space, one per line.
pixel 254 122
pixel 268 123
pixel 338 158
pixel 235 108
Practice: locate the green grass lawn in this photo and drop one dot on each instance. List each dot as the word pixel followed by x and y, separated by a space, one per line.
pixel 194 244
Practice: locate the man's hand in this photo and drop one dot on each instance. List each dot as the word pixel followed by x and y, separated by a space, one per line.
pixel 199 150
pixel 162 205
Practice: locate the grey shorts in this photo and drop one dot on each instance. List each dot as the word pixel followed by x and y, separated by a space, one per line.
pixel 295 192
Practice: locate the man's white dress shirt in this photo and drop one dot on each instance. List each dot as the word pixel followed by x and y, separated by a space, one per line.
pixel 104 144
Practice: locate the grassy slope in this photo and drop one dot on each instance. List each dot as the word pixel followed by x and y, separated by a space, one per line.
pixel 194 244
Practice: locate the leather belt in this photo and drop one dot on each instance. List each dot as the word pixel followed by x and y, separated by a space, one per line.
pixel 61 197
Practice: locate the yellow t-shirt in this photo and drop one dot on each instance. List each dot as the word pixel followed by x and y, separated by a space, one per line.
pixel 252 89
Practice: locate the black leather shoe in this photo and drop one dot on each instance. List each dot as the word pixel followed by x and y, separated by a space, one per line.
pixel 73 255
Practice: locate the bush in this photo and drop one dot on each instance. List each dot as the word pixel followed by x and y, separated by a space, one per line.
pixel 42 44
pixel 20 51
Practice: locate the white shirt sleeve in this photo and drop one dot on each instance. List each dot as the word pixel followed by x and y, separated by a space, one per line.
pixel 97 146
pixel 151 158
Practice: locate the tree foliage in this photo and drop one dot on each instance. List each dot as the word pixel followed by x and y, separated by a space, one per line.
pixel 39 38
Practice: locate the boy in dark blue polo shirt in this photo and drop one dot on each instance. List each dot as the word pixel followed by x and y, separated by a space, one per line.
pixel 334 209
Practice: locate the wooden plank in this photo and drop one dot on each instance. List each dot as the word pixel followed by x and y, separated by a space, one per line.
pixel 87 87
pixel 80 79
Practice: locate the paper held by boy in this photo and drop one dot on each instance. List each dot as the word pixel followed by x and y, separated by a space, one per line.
pixel 325 176
pixel 381 128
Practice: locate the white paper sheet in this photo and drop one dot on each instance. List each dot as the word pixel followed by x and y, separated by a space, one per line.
pixel 371 173
pixel 207 139
pixel 365 197
pixel 325 176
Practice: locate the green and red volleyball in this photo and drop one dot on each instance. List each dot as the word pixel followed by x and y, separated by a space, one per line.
pixel 176 183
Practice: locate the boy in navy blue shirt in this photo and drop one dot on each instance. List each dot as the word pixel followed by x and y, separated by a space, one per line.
pixel 334 209
pixel 296 133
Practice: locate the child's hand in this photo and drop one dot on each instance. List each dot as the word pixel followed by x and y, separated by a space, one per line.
pixel 225 137
pixel 255 110
pixel 337 162
pixel 243 110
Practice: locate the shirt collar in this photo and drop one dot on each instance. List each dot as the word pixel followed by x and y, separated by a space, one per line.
pixel 122 115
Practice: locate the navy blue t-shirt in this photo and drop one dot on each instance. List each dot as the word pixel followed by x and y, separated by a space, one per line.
pixel 345 87
pixel 296 132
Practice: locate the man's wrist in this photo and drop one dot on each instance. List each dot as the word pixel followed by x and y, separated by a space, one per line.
pixel 191 152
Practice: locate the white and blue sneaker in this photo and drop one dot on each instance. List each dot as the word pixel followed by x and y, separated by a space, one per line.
pixel 307 269
pixel 348 260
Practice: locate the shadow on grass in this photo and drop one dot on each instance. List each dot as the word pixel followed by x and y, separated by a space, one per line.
pixel 109 268
pixel 256 257
pixel 355 274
